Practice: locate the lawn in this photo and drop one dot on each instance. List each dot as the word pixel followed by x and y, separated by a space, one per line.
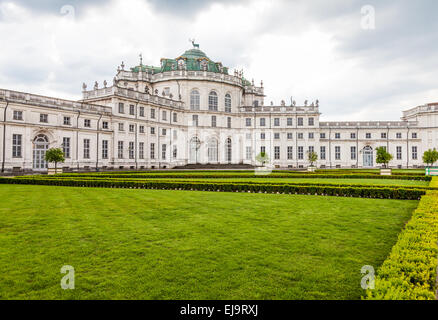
pixel 150 244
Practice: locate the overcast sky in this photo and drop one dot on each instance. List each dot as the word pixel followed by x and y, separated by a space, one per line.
pixel 308 49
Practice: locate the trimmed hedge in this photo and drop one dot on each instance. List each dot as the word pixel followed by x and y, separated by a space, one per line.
pixel 410 271
pixel 227 176
pixel 362 192
pixel 188 180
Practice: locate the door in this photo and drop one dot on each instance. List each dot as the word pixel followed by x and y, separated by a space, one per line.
pixel 40 146
pixel 368 157
pixel 194 147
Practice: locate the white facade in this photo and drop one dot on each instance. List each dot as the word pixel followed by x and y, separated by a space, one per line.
pixel 162 118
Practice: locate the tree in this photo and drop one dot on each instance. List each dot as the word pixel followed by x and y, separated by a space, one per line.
pixel 55 155
pixel 262 157
pixel 430 157
pixel 383 156
pixel 312 156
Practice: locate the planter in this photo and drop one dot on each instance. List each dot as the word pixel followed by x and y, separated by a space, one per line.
pixel 311 169
pixel 385 171
pixel 51 171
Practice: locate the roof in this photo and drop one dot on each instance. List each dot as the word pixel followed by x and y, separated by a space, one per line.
pixel 192 60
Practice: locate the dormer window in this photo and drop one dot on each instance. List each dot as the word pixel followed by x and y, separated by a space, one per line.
pixel 204 65
pixel 181 64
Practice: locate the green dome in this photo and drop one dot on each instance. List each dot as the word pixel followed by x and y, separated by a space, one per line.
pixel 194 54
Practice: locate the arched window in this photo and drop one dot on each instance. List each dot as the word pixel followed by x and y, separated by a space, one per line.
pixel 212 101
pixel 40 146
pixel 227 102
pixel 212 150
pixel 194 100
pixel 228 149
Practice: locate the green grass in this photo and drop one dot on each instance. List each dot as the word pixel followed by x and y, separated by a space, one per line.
pixel 147 244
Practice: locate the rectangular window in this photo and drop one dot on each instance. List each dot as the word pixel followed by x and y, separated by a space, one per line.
pixel 414 153
pixel 300 122
pixel 300 136
pixel 163 131
pixel 262 122
pixel 164 115
pixel 18 115
pixel 104 149
pixel 105 125
pixel 141 150
pixel 276 122
pixel 248 153
pixel 152 113
pixel 277 136
pixel 163 151
pixel 383 135
pixel 337 135
pixel 152 130
pixel 289 122
pixel 399 153
pixel 414 135
pixel 337 153
pixel 311 149
pixel 248 122
pixel 16 145
pixel 121 108
pixel 228 122
pixel 131 128
pixel 175 134
pixel 322 152
pixel 67 121
pixel 353 153
pixel 262 136
pixel 368 135
pixel 131 150
pixel 86 148
pixel 87 123
pixel 290 136
pixel 277 153
pixel 311 135
pixel 352 135
pixel 44 118
pixel 175 152
pixel 141 129
pixel 195 120
pixel 213 121
pixel 311 121
pixel 322 135
pixel 152 150
pixel 66 147
pixel 300 153
pixel 131 109
pixel 121 127
pixel 290 154
pixel 399 135
pixel 141 111
pixel 262 149
pixel 120 150
pixel 175 117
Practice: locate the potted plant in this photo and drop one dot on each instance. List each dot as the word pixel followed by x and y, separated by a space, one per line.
pixel 312 157
pixel 430 157
pixel 383 157
pixel 54 155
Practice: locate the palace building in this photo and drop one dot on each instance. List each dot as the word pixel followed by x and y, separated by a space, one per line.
pixel 192 110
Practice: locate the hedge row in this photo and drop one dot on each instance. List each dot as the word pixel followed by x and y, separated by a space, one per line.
pixel 363 192
pixel 212 181
pixel 410 271
pixel 221 176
